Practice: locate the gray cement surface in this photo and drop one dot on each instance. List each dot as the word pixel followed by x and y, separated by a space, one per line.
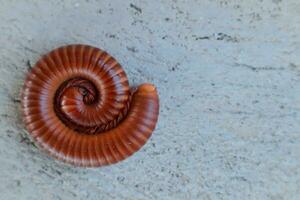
pixel 228 75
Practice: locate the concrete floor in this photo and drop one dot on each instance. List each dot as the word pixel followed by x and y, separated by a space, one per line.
pixel 228 74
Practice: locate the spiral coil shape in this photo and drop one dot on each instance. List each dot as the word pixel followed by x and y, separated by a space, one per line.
pixel 78 107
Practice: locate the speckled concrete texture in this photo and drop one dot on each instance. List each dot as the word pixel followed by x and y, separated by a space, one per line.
pixel 228 74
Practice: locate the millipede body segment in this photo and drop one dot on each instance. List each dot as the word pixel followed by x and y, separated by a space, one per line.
pixel 78 107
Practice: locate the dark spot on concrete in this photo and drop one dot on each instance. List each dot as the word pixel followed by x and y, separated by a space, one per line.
pixel 15 100
pixel 255 17
pixel 9 131
pixel 202 38
pixel 46 173
pixel 132 49
pixel 120 178
pixel 137 21
pixel 225 37
pixel 28 64
pixel 167 19
pixel 58 172
pixel 241 178
pixel 175 67
pixel 236 6
pixel 110 35
pixel 282 107
pixel 18 182
pixel 293 66
pixel 137 9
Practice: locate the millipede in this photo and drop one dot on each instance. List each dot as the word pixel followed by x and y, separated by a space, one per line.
pixel 78 107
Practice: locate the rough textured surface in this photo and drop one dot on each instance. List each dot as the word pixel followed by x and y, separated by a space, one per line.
pixel 228 74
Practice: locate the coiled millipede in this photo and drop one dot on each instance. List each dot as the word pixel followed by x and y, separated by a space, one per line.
pixel 77 106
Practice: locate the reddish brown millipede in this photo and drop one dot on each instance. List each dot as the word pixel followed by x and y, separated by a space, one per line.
pixel 78 107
